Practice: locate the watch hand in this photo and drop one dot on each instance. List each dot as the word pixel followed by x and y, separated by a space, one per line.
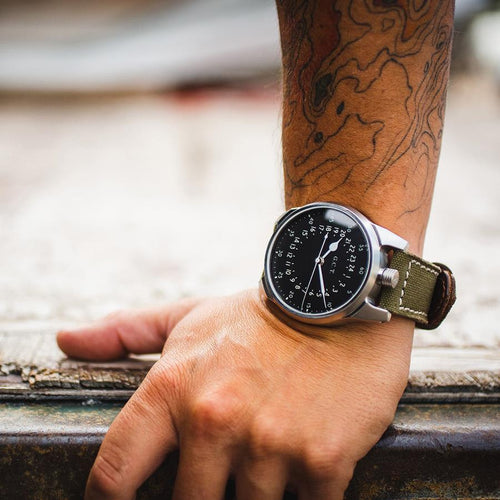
pixel 333 246
pixel 322 283
pixel 316 262
pixel 321 249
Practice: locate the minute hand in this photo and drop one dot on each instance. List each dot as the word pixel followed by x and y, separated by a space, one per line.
pixel 322 283
pixel 333 246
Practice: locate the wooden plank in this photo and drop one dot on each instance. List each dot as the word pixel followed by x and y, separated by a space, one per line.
pixel 31 364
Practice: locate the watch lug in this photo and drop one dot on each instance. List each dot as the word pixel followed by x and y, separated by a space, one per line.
pixel 370 312
pixel 389 239
pixel 282 217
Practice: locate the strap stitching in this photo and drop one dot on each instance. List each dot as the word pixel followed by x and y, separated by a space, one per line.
pixel 403 290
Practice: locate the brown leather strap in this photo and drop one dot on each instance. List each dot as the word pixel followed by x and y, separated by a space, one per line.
pixel 443 298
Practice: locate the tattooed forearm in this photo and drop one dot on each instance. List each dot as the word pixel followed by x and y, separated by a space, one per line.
pixel 364 92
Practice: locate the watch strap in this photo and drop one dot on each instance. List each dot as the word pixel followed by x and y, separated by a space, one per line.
pixel 425 291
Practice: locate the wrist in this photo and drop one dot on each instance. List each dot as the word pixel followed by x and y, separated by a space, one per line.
pixel 397 334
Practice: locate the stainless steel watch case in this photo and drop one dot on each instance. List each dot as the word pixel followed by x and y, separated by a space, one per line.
pixel 363 305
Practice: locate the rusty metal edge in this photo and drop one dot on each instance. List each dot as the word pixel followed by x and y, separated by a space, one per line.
pixel 120 396
pixel 432 451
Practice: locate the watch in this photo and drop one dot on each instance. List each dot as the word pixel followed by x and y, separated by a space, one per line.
pixel 327 263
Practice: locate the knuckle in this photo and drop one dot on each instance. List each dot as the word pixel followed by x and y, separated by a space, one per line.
pixel 161 386
pixel 117 316
pixel 266 438
pixel 119 321
pixel 325 461
pixel 107 475
pixel 216 414
pixel 165 374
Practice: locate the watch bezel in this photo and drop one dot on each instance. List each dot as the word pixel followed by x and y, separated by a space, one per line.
pixel 368 290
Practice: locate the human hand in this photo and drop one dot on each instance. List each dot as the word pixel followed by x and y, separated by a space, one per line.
pixel 242 394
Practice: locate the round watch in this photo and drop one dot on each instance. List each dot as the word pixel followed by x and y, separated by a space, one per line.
pixel 327 262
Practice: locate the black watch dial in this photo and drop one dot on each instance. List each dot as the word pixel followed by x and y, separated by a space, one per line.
pixel 318 261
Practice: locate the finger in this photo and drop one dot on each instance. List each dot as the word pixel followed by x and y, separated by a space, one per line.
pixel 333 490
pixel 138 332
pixel 136 443
pixel 326 472
pixel 203 471
pixel 262 479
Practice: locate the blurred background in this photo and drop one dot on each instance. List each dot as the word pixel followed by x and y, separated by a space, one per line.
pixel 140 158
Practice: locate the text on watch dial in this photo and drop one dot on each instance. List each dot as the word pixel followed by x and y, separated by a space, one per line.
pixel 319 261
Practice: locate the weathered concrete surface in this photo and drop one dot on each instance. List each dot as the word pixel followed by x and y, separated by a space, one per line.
pixel 111 203
pixel 464 229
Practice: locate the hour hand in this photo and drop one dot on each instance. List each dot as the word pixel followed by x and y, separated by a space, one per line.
pixel 332 247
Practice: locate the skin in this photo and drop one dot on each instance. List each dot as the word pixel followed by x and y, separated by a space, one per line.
pixel 364 97
pixel 238 390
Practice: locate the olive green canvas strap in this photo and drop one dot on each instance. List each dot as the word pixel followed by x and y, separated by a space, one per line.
pixel 425 291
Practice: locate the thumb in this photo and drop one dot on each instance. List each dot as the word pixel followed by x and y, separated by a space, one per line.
pixel 115 336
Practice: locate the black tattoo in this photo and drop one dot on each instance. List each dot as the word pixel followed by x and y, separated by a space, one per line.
pixel 365 84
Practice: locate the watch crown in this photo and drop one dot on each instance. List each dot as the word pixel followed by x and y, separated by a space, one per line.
pixel 388 277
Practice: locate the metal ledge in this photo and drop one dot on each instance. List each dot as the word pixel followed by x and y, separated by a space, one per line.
pixel 430 451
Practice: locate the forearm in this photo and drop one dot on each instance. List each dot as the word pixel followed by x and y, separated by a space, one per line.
pixel 363 105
